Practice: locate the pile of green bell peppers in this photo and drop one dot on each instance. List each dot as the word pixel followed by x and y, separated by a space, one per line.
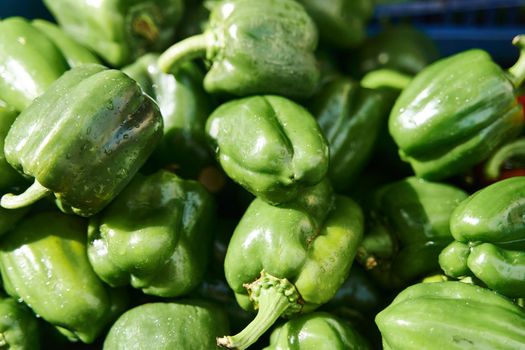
pixel 256 174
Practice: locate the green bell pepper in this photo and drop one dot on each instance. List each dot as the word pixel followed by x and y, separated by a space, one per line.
pixel 490 238
pixel 317 330
pixel 184 106
pixel 254 47
pixel 456 112
pixel 187 324
pixel 453 316
pixel 9 177
pixel 156 235
pixel 270 145
pixel 43 262
pixel 341 23
pixel 408 228
pixel 83 140
pixel 350 117
pixel 18 326
pixel 292 258
pixel 29 62
pixel 119 31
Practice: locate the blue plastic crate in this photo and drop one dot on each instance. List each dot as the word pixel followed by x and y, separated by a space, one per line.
pixel 25 8
pixel 458 25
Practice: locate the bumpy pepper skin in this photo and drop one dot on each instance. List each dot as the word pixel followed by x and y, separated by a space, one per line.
pixel 83 140
pixel 29 62
pixel 409 227
pixel 317 330
pixel 44 263
pixel 455 112
pixel 451 315
pixel 254 47
pixel 342 23
pixel 270 145
pixel 119 30
pixel 288 259
pixel 156 235
pixel 18 326
pixel 184 106
pixel 350 117
pixel 187 324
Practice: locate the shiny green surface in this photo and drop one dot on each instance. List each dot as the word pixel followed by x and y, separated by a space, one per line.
pixel 44 264
pixel 451 315
pixel 9 177
pixel 85 138
pixel 156 235
pixel 18 326
pixel 270 145
pixel 119 30
pixel 181 325
pixel 29 62
pixel 254 47
pixel 317 330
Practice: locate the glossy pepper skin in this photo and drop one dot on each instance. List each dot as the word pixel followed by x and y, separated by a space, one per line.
pixel 254 47
pixel 291 258
pixel 29 62
pixel 83 140
pixel 119 30
pixel 270 145
pixel 350 118
pixel 341 23
pixel 44 263
pixel 408 228
pixel 456 112
pixel 184 106
pixel 317 330
pixel 451 315
pixel 156 235
pixel 18 326
pixel 186 324
pixel 489 230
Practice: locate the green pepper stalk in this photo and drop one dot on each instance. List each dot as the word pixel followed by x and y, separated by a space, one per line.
pixel 254 47
pixel 507 161
pixel 291 258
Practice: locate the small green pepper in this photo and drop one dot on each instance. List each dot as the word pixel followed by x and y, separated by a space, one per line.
pixel 317 330
pixel 292 258
pixel 18 326
pixel 44 264
pixel 254 47
pixel 456 112
pixel 187 324
pixel 119 31
pixel 270 145
pixel 156 235
pixel 83 140
pixel 453 316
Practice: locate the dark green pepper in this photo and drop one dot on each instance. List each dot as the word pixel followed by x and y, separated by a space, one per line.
pixel 453 316
pixel 184 106
pixel 119 31
pixel 83 140
pixel 254 47
pixel 270 145
pixel 29 62
pixel 156 235
pixel 317 330
pixel 292 258
pixel 456 112
pixel 189 324
pixel 490 238
pixel 341 23
pixel 44 264
pixel 408 228
pixel 350 117
pixel 18 326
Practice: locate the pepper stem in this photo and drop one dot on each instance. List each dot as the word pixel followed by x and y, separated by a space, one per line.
pixel 185 50
pixel 386 78
pixel 35 192
pixel 274 297
pixel 517 71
